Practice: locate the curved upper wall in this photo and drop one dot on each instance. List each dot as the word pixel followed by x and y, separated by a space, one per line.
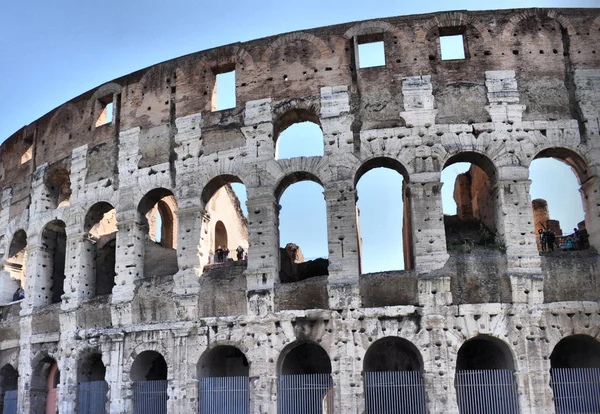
pixel 543 46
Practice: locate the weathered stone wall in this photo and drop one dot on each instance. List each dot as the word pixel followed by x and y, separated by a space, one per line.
pixel 529 87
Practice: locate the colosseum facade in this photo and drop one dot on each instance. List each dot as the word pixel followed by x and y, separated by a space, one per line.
pixel 115 316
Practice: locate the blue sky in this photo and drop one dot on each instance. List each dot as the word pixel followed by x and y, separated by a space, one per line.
pixel 53 51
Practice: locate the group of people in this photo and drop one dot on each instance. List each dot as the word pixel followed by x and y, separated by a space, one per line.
pixel 548 240
pixel 221 255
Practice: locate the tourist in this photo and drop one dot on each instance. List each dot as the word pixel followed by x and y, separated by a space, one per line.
pixel 225 253
pixel 19 294
pixel 219 255
pixel 542 239
pixel 576 239
pixel 239 252
pixel 550 239
pixel 211 257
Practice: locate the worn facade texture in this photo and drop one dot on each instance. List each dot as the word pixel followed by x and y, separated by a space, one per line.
pixel 82 190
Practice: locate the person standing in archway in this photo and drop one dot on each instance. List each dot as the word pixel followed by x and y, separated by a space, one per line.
pixel 219 252
pixel 239 253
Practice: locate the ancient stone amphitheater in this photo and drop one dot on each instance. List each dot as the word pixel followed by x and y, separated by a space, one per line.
pixel 113 203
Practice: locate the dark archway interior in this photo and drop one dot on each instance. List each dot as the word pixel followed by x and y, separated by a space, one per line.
pixel 220 235
pixel 55 245
pixel 483 353
pixel 577 351
pixel 92 369
pixel 17 255
pixel 9 378
pixel 223 361
pixel 100 223
pixel 306 358
pixel 149 366
pixel 392 354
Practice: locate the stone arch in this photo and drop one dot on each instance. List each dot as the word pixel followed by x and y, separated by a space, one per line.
pixel 293 112
pixel 509 28
pixel 395 165
pixel 148 346
pixel 149 366
pixel 392 353
pixel 452 19
pixel 215 183
pixel 485 352
pixel 15 264
pixel 229 54
pixel 9 384
pixel 295 177
pixel 371 27
pixel 569 156
pixel 58 186
pixel 213 362
pixel 149 207
pixel 305 349
pixel 67 112
pixel 44 367
pixel 100 225
pixel 282 40
pixel 576 351
pixel 54 245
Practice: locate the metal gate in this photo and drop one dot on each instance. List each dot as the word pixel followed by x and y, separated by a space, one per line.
pixel 305 394
pixel 394 392
pixel 223 395
pixel 486 391
pixel 10 402
pixel 150 397
pixel 92 397
pixel 576 390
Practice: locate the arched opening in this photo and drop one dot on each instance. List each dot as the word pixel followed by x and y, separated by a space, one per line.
pixel 220 245
pixel 9 379
pixel 298 133
pixel 44 382
pixel 13 282
pixel 469 202
pixel 303 245
pixel 58 187
pixel 101 227
pixel 485 377
pixel 558 208
pixel 305 384
pixel 54 245
pixel 92 386
pixel 393 377
pixel 223 381
pixel 157 212
pixel 575 375
pixel 226 220
pixel 383 197
pixel 149 376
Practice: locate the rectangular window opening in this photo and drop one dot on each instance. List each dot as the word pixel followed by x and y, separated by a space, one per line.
pixel 27 155
pixel 106 111
pixel 371 51
pixel 224 92
pixel 452 47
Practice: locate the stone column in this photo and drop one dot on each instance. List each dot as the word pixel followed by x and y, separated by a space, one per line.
pixel 186 280
pixel 113 343
pixel 25 367
pixel 80 270
pixel 344 269
pixel 184 385
pixel 429 235
pixel 129 264
pixel 37 280
pixel 347 368
pixel 514 222
pixel 590 194
pixel 263 251
pixel 67 391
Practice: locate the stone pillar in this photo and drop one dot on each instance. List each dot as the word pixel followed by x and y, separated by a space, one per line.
pixel 590 193
pixel 263 251
pixel 344 269
pixel 80 270
pixel 186 280
pixel 258 130
pixel 37 279
pixel 67 391
pixel 25 367
pixel 113 342
pixel 429 235
pixel 346 369
pixel 503 96
pixel 184 385
pixel 419 102
pixel 514 222
pixel 129 264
